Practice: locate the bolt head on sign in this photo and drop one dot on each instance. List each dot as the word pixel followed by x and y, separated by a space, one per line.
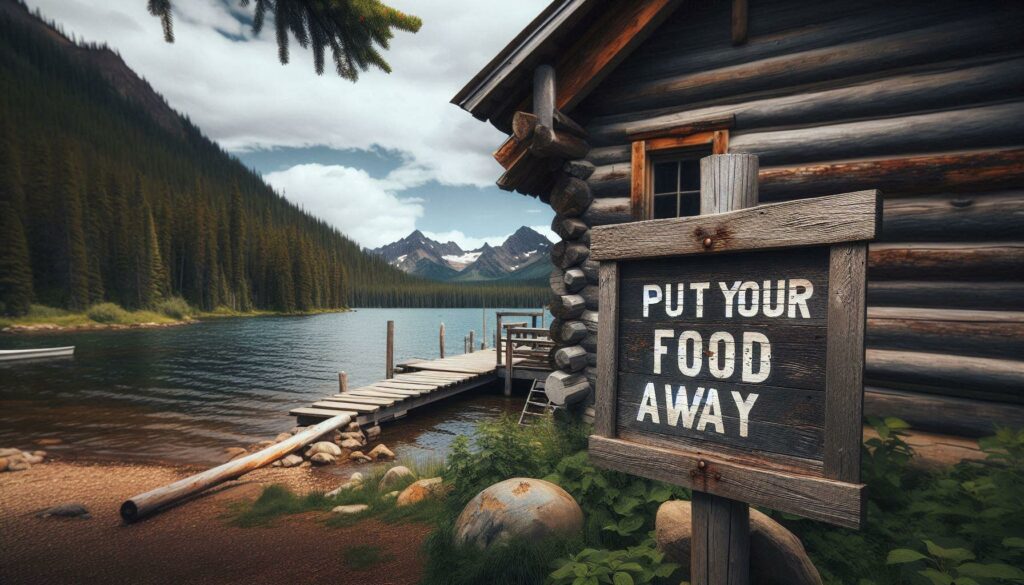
pixel 732 363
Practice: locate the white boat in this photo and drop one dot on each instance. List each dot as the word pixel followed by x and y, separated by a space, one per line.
pixel 43 352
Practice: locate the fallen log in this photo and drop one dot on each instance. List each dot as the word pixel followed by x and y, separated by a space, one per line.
pixel 142 505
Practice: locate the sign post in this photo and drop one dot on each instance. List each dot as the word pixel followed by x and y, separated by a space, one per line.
pixel 731 356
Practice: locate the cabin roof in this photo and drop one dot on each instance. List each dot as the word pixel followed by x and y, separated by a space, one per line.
pixel 506 77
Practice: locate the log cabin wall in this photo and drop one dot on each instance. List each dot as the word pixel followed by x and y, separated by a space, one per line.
pixel 922 100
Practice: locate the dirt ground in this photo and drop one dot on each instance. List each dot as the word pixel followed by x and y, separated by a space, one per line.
pixel 192 543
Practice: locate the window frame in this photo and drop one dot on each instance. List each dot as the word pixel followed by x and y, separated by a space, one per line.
pixel 649 147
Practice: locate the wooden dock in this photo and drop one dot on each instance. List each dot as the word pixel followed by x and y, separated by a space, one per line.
pixel 421 382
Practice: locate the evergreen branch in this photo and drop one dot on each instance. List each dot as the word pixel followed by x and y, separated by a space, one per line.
pixel 352 29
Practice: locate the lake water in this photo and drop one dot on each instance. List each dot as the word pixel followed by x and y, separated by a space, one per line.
pixel 183 394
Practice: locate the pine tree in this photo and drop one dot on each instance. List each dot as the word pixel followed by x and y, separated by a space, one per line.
pixel 15 265
pixel 153 271
pixel 73 258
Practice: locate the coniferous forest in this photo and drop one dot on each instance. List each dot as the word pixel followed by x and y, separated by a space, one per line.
pixel 102 199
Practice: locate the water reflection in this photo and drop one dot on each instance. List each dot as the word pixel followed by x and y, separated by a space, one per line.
pixel 185 393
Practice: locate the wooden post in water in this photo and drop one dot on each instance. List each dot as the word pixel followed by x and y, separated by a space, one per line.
pixel 497 339
pixel 390 360
pixel 471 342
pixel 342 382
pixel 508 361
pixel 440 340
pixel 720 554
pixel 483 335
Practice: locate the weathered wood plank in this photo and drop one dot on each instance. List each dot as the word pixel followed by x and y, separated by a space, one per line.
pixel 811 497
pixel 987 378
pixel 608 212
pixel 347 406
pixel 844 375
pixel 825 220
pixel 936 260
pixel 607 366
pixel 961 217
pixel 947 294
pixel 955 415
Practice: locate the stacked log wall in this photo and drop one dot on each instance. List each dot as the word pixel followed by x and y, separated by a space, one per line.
pixel 922 100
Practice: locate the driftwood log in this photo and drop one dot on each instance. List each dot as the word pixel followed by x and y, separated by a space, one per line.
pixel 142 505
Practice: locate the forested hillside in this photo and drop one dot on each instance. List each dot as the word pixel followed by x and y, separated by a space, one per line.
pixel 108 195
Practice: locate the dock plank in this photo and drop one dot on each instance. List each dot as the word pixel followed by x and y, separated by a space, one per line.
pixel 379 393
pixel 346 406
pixel 362 399
pixel 319 412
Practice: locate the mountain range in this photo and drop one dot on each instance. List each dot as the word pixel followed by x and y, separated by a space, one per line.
pixel 522 256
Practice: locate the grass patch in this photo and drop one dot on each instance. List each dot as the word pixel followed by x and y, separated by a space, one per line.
pixel 364 556
pixel 276 501
pixel 517 562
pixel 99 314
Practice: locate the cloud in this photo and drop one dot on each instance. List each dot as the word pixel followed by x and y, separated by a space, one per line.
pixel 239 94
pixel 366 209
pixel 545 230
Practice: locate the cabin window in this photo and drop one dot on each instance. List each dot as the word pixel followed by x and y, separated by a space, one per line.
pixel 675 182
pixel 666 173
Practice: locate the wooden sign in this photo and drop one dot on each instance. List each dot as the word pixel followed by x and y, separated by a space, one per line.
pixel 731 352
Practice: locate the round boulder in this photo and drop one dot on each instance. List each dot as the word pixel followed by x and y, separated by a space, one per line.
pixel 518 507
pixel 419 491
pixel 323 458
pixel 326 447
pixel 395 476
pixel 381 452
pixel 776 555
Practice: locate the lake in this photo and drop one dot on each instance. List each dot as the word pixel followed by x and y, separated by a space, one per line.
pixel 183 394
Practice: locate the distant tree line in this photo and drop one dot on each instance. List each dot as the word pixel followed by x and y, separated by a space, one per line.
pixel 100 202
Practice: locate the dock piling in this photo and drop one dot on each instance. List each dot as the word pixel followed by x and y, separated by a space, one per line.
pixel 390 363
pixel 441 340
pixel 342 382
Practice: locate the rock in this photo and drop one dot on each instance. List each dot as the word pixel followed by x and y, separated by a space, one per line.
pixel 305 464
pixel 33 459
pixel 322 458
pixel 233 453
pixel 18 465
pixel 325 447
pixel 297 430
pixel 359 457
pixel 276 463
pixel 356 477
pixel 351 444
pixel 262 445
pixel 282 437
pixel 48 441
pixel 67 511
pixel 391 495
pixel 350 509
pixel 357 436
pixel 395 476
pixel 373 432
pixel 291 460
pixel 518 508
pixel 39 453
pixel 9 452
pixel 381 452
pixel 421 490
pixel 776 555
pixel 4 463
pixel 352 427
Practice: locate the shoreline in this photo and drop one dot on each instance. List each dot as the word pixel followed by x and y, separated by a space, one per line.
pixel 191 542
pixel 77 326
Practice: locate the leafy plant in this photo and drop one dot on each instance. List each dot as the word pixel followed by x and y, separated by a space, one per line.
pixel 618 507
pixel 885 458
pixel 642 563
pixel 954 566
pixel 175 308
pixel 107 313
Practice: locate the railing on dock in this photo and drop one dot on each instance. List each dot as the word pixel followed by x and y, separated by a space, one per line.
pixel 500 333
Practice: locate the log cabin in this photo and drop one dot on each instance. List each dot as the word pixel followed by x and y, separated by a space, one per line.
pixel 610 105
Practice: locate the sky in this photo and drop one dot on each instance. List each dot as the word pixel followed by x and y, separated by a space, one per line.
pixel 377 158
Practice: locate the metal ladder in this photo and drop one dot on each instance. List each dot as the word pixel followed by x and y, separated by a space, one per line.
pixel 538 399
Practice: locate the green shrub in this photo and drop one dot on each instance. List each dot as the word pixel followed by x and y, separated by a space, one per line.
pixel 175 308
pixel 618 508
pixel 45 312
pixel 503 449
pixel 107 313
pixel 642 563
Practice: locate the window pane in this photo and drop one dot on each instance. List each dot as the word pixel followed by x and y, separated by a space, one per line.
pixel 664 206
pixel 689 204
pixel 665 177
pixel 691 174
